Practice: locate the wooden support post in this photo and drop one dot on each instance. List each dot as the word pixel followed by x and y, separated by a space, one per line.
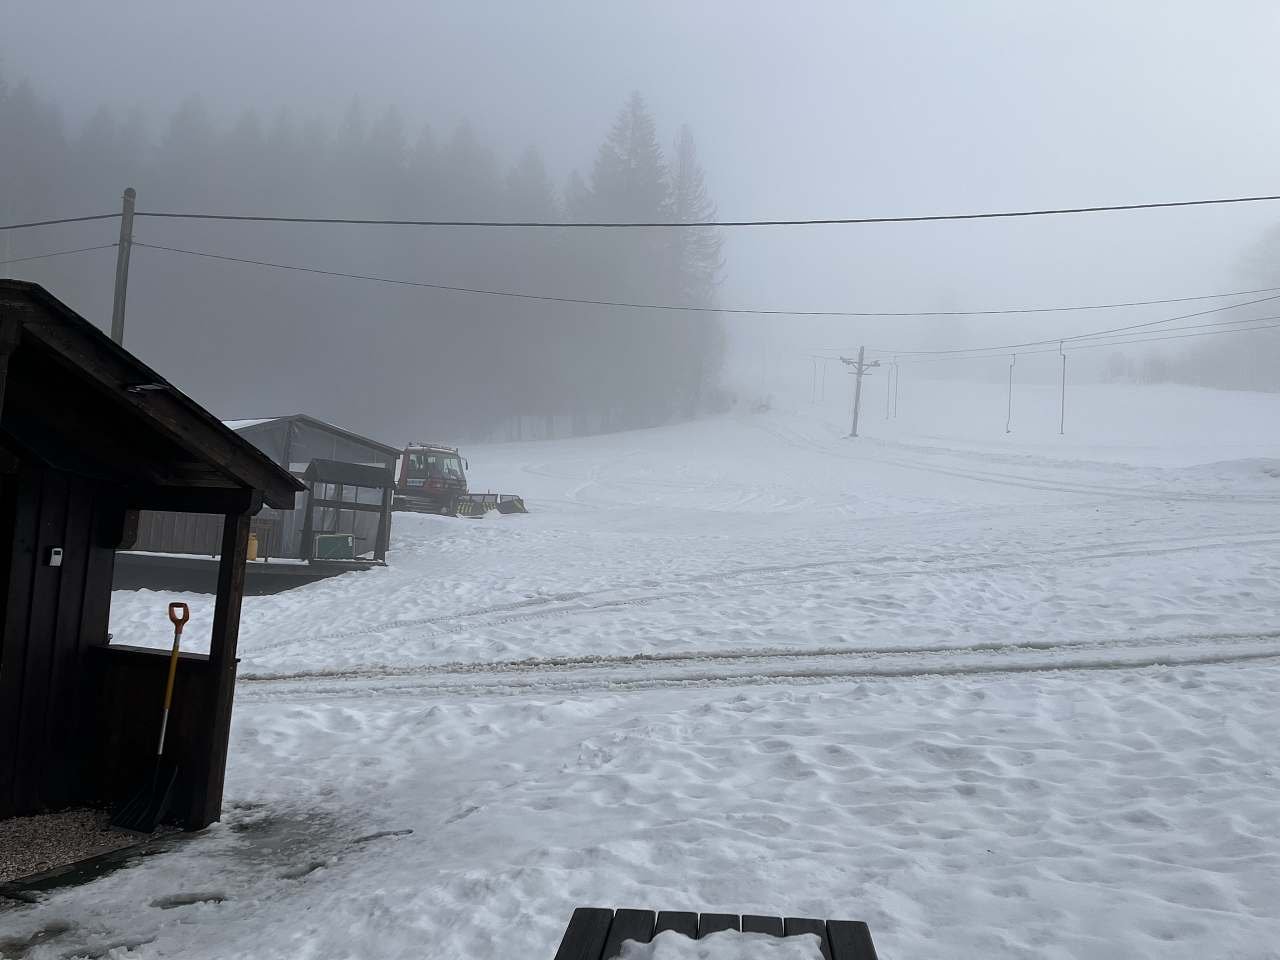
pixel 384 523
pixel 210 745
pixel 1008 419
pixel 1062 402
pixel 307 548
pixel 859 369
pixel 10 335
pixel 857 390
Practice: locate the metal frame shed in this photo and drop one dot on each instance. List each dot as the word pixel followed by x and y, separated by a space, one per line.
pixel 295 443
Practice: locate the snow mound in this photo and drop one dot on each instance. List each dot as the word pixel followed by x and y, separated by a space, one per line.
pixel 727 945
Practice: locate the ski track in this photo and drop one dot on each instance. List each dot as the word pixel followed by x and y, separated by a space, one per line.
pixel 799 441
pixel 598 662
pixel 510 611
pixel 915 666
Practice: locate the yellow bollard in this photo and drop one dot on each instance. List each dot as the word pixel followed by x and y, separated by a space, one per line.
pixel 253 546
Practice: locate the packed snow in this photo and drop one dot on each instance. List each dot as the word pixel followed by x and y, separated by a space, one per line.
pixel 1000 695
pixel 726 945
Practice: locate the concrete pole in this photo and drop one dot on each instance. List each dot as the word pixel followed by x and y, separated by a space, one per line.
pixel 122 265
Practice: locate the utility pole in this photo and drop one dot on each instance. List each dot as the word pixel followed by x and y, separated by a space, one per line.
pixel 122 265
pixel 897 379
pixel 860 367
pixel 6 253
pixel 1008 419
pixel 888 389
pixel 1062 405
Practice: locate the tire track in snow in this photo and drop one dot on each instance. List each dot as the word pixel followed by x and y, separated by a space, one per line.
pixel 604 661
pixel 522 611
pixel 747 668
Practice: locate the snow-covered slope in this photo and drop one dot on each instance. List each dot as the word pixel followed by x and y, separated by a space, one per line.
pixel 998 695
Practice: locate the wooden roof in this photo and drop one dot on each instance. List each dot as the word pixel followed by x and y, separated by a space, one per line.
pixel 77 400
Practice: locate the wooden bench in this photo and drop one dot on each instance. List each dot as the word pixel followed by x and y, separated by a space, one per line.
pixel 596 933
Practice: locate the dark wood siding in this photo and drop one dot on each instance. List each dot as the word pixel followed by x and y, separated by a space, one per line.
pixel 167 531
pixel 50 618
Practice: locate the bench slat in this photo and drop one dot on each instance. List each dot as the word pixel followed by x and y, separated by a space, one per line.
pixel 797 925
pixel 850 940
pixel 585 936
pixel 752 923
pixel 635 925
pixel 715 922
pixel 678 920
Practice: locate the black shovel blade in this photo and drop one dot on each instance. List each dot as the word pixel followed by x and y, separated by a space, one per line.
pixel 146 808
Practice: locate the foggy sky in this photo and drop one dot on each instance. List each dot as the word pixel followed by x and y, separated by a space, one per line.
pixel 800 110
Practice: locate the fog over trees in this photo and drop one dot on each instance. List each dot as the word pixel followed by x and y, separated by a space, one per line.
pixel 397 361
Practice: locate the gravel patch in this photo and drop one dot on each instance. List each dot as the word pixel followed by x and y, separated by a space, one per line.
pixel 30 845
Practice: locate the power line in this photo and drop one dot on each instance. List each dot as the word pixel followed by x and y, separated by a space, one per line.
pixel 687 308
pixel 816 221
pixel 989 353
pixel 1020 310
pixel 1074 337
pixel 439 286
pixel 1217 331
pixel 1105 337
pixel 568 224
pixel 48 223
pixel 57 253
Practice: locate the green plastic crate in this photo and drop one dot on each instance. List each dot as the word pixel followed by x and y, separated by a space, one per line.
pixel 334 546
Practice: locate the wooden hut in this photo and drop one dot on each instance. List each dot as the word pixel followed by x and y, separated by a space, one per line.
pixel 89 436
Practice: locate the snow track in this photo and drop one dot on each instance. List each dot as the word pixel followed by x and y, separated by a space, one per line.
pixel 960 470
pixel 697 588
pixel 752 667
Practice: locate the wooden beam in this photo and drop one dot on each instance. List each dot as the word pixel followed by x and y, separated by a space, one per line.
pixel 754 923
pixel 793 926
pixel 227 500
pixel 585 935
pixel 850 940
pixel 627 925
pixel 681 921
pixel 709 923
pixel 10 335
pixel 210 750
pixel 347 505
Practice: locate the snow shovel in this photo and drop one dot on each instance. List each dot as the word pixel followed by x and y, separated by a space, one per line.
pixel 143 812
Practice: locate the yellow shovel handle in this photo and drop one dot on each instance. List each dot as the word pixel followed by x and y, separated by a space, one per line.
pixel 179 614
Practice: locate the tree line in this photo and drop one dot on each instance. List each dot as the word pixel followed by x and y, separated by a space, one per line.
pixel 396 361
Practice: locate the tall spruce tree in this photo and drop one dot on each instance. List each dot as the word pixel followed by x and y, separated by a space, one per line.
pixel 412 362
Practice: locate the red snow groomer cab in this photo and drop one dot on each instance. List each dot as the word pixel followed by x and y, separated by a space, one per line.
pixel 432 479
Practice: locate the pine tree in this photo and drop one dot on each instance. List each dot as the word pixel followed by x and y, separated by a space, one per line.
pixel 697 267
pixel 577 197
pixel 528 193
pixel 629 180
